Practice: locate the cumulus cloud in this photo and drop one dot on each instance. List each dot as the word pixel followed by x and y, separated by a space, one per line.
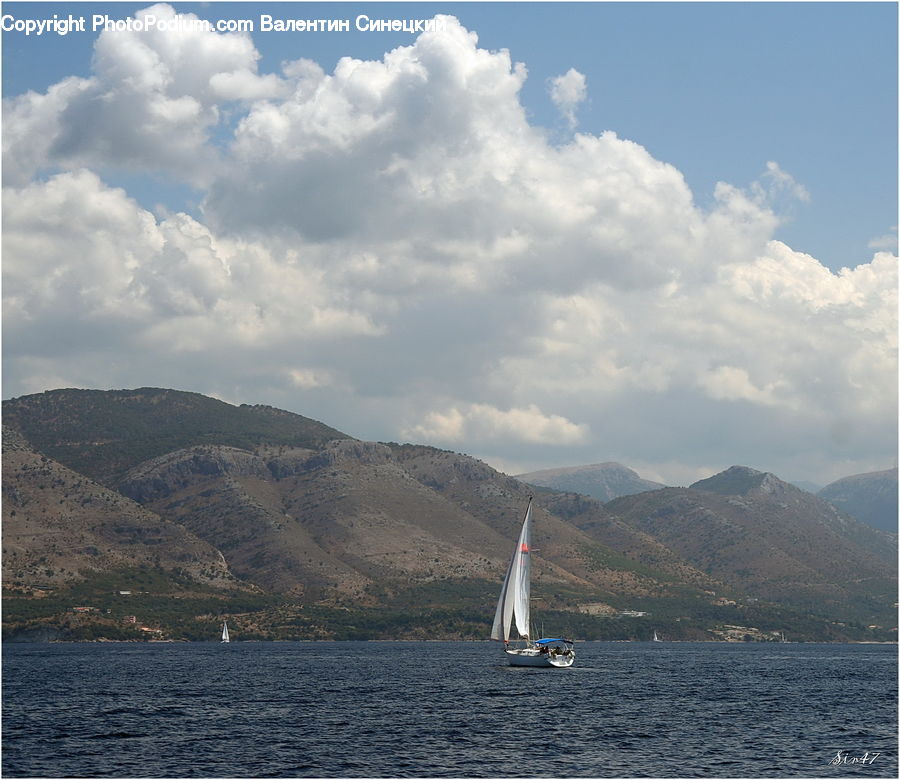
pixel 457 190
pixel 568 92
pixel 734 384
pixel 151 103
pixel 79 254
pixel 480 423
pixel 393 248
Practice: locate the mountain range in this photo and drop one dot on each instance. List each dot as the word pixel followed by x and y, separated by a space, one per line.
pixel 871 497
pixel 170 510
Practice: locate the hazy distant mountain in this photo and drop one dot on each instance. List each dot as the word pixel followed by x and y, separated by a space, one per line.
pixel 809 487
pixel 296 529
pixel 870 497
pixel 603 481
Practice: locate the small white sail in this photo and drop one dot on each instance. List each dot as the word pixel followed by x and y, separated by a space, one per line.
pixel 225 632
pixel 515 596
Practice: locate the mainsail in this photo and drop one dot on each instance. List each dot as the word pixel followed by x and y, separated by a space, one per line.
pixel 225 632
pixel 515 595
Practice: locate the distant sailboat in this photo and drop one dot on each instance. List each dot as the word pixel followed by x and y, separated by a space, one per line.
pixel 656 636
pixel 225 638
pixel 515 598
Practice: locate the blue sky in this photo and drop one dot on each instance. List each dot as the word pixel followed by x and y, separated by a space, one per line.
pixel 430 246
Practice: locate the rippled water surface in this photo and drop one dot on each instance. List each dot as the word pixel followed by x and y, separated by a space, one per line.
pixel 447 709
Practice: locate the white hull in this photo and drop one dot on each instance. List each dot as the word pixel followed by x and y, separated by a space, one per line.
pixel 531 657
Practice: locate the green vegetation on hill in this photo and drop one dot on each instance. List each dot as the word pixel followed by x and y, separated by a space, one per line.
pixel 169 605
pixel 100 606
pixel 104 433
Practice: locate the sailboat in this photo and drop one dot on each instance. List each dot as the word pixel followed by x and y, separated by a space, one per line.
pixel 225 638
pixel 656 636
pixel 515 604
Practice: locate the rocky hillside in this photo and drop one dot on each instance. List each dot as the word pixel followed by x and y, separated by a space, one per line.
pixel 301 511
pixel 305 531
pixel 353 520
pixel 60 526
pixel 871 498
pixel 603 481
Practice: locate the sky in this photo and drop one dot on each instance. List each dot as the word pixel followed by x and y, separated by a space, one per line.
pixel 542 234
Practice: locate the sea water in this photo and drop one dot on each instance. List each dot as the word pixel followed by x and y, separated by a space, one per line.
pixel 448 709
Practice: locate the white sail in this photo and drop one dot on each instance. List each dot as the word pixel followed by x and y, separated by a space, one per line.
pixel 225 632
pixel 522 598
pixel 515 595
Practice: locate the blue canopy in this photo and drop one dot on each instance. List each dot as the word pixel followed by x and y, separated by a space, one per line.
pixel 551 641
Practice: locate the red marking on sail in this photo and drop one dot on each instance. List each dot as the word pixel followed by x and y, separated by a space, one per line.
pixel 524 547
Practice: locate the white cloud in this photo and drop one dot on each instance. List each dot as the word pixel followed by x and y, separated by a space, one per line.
pixel 568 92
pixel 481 423
pixel 79 254
pixel 776 182
pixel 728 383
pixel 308 378
pixel 887 242
pixel 393 248
pixel 151 103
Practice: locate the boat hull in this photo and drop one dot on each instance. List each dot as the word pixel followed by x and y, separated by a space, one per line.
pixel 530 657
pixel 562 661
